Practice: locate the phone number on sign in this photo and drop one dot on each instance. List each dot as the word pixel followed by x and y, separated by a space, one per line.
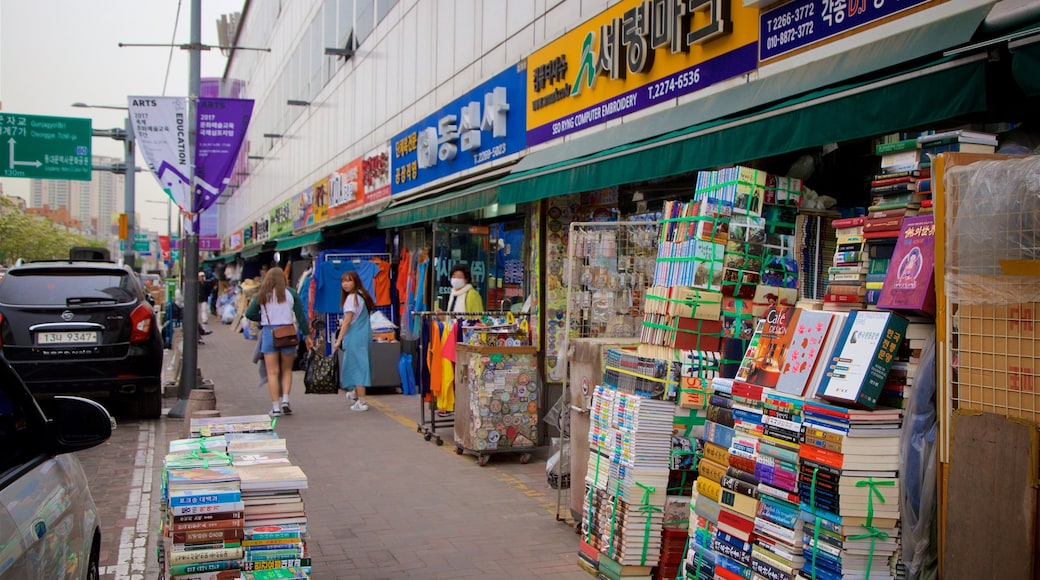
pixel 680 82
pixel 790 35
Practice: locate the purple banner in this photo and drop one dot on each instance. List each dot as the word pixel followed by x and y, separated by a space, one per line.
pixel 694 78
pixel 804 22
pixel 221 127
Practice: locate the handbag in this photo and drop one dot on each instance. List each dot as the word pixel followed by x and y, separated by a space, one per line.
pixel 319 375
pixel 285 336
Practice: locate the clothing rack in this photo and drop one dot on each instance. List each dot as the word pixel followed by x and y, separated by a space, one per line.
pixel 428 426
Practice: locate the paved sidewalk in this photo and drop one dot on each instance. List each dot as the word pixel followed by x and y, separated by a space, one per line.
pixel 384 503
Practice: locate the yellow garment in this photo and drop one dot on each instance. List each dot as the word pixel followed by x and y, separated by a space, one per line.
pixel 446 396
pixel 434 360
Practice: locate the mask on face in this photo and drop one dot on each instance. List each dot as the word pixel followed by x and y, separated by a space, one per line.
pixel 457 283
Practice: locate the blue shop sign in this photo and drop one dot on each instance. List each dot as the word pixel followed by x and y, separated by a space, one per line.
pixel 482 125
pixel 804 22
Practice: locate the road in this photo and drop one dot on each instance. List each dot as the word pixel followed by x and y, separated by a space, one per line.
pixel 381 501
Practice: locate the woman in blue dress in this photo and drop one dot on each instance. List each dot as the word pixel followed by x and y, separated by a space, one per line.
pixel 355 338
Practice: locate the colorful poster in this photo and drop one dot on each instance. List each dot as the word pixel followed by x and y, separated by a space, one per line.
pixel 345 189
pixel 247 235
pixel 375 174
pixel 281 221
pixel 483 125
pixel 634 55
pixel 302 208
pixel 235 240
pixel 320 201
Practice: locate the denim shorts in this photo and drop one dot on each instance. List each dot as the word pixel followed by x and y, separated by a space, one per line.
pixel 267 343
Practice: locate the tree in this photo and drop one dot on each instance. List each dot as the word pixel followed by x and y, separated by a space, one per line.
pixel 33 237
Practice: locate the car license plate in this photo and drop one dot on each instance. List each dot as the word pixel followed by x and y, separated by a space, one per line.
pixel 67 337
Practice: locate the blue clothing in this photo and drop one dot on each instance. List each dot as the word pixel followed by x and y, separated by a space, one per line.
pixel 267 343
pixel 327 276
pixel 356 367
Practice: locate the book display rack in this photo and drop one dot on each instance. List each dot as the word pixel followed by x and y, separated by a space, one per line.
pixel 781 456
pixel 231 506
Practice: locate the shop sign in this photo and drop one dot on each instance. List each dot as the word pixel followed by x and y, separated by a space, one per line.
pixel 261 230
pixel 247 235
pixel 805 22
pixel 320 201
pixel 207 223
pixel 302 206
pixel 634 55
pixel 482 125
pixel 281 220
pixel 345 189
pixel 235 241
pixel 375 174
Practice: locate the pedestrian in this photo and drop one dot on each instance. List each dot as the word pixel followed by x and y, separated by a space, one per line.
pixel 277 305
pixel 205 289
pixel 464 297
pixel 355 338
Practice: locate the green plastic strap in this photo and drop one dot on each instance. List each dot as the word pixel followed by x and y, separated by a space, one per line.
pixel 685 259
pixel 647 510
pixel 872 532
pixel 693 218
pixel 816 523
pixel 693 302
pixel 613 519
pixel 660 326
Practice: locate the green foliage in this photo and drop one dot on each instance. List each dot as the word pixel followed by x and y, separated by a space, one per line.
pixel 34 237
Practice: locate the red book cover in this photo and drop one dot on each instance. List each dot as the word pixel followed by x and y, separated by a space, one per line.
pixel 910 281
pixel 844 298
pixel 820 455
pixel 883 223
pixel 737 522
pixel 893 181
pixel 879 234
pixel 851 222
pixel 696 334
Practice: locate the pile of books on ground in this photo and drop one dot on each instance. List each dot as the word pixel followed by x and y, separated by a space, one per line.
pixel 630 443
pixel 231 503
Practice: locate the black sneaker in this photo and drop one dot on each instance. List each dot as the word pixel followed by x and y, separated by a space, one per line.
pixel 286 409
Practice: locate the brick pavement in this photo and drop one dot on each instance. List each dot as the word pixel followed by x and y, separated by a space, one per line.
pixel 384 503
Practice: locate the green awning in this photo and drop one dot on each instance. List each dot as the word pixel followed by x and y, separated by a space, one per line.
pixel 844 113
pixel 1025 66
pixel 230 257
pixel 213 260
pixel 298 241
pixel 443 206
pixel 252 251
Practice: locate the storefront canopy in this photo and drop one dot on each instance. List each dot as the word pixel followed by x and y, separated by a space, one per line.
pixel 928 94
pixel 213 260
pixel 298 241
pixel 446 205
pixel 252 251
pixel 230 257
pixel 1025 64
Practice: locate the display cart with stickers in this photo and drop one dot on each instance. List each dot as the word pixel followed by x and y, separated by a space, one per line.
pixel 496 401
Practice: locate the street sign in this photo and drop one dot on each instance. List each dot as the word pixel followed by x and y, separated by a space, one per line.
pixel 37 147
pixel 142 246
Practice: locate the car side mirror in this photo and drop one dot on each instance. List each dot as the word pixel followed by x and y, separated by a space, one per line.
pixel 76 423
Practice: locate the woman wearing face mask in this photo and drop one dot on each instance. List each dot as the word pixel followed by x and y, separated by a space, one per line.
pixel 464 297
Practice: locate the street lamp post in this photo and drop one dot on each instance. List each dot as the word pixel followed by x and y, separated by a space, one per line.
pixel 128 169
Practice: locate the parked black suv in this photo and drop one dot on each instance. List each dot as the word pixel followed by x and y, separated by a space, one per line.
pixel 85 328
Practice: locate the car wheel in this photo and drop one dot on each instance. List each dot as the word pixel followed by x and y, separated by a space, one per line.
pixel 94 564
pixel 147 405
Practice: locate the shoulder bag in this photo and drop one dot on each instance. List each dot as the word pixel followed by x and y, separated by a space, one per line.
pixel 285 336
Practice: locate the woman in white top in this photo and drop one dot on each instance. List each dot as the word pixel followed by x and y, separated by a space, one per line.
pixel 277 304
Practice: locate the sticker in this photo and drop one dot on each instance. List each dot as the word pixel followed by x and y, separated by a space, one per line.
pixel 508 420
pixel 532 407
pixel 523 379
pixel 488 376
pixel 511 433
pixel 496 406
pixel 500 426
pixel 481 444
pixel 493 437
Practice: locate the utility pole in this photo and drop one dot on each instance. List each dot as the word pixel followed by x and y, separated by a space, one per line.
pixel 190 240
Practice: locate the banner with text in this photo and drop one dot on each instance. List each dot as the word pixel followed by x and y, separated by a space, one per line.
pixel 222 125
pixel 634 55
pixel 484 124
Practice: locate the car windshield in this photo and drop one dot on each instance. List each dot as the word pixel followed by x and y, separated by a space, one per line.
pixel 66 287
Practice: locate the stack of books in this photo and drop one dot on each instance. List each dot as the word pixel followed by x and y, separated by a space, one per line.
pixel 849 488
pixel 846 279
pixel 210 426
pixel 275 547
pixel 673 547
pixel 627 479
pixel 204 521
pixel 957 140
pixel 816 245
pixel 909 285
pixel 257 449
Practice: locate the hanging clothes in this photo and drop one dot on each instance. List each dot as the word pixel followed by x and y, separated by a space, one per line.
pixel 381 283
pixel 446 397
pixel 330 273
pixel 404 271
pixel 433 358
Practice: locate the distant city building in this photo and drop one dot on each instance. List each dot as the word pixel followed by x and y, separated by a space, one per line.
pixel 90 204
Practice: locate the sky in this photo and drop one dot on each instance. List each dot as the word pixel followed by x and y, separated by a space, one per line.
pixel 57 52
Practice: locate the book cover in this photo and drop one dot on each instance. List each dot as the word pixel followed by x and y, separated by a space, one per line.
pixel 772 346
pixel 910 282
pixel 808 336
pixel 195 556
pixel 864 353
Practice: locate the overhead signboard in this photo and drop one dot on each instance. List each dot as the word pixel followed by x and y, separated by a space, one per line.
pixel 36 147
pixel 634 55
pixel 481 126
